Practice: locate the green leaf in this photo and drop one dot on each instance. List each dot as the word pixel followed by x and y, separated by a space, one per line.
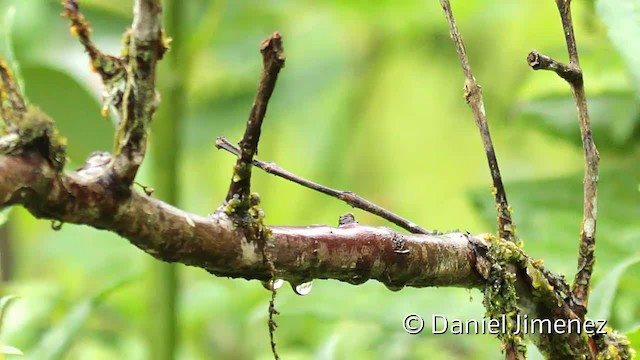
pixel 75 111
pixel 614 118
pixel 634 338
pixel 4 215
pixel 4 304
pixel 7 47
pixel 55 343
pixel 604 293
pixel 10 350
pixel 622 19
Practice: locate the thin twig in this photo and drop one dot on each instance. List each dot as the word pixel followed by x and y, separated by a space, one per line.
pixel 12 105
pixel 106 65
pixel 346 196
pixel 586 257
pixel 473 96
pixel 272 62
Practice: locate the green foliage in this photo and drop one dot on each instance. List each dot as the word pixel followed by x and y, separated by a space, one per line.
pixel 603 295
pixel 634 338
pixel 56 342
pixel 614 118
pixel 4 216
pixel 621 19
pixel 4 303
pixel 75 110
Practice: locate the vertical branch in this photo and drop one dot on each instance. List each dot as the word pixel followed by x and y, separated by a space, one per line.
pixel 147 45
pixel 573 75
pixel 512 345
pixel 163 290
pixel 473 96
pixel 586 258
pixel 272 62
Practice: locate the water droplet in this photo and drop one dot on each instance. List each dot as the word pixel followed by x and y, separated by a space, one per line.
pixel 357 280
pixel 277 284
pixel 394 287
pixel 273 285
pixel 303 289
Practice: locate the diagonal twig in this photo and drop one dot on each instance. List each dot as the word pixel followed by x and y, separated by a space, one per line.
pixel 346 196
pixel 106 65
pixel 272 62
pixel 473 96
pixel 573 75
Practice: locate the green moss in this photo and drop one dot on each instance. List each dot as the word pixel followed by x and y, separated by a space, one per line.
pixel 614 346
pixel 500 295
pixel 37 130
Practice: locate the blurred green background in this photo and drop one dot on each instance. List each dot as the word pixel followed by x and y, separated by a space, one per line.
pixel 371 101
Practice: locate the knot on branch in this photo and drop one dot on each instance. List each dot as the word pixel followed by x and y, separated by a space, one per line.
pixel 35 131
pixel 569 72
pixel 272 51
pixel 27 128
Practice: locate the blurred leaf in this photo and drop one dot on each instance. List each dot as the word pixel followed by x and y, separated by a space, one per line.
pixel 4 215
pixel 4 303
pixel 621 18
pixel 75 111
pixel 604 293
pixel 55 343
pixel 10 350
pixel 7 48
pixel 634 338
pixel 614 116
pixel 548 214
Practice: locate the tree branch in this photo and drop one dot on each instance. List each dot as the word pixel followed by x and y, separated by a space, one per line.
pixel 107 66
pixel 573 75
pixel 272 62
pixel 351 253
pixel 473 96
pixel 146 47
pixel 346 196
pixel 12 105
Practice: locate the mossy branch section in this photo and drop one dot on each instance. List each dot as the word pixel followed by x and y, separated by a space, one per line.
pixel 147 45
pixel 27 129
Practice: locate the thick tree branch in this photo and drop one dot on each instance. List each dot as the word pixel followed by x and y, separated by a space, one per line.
pixel 351 253
pixel 347 196
pixel 272 62
pixel 473 96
